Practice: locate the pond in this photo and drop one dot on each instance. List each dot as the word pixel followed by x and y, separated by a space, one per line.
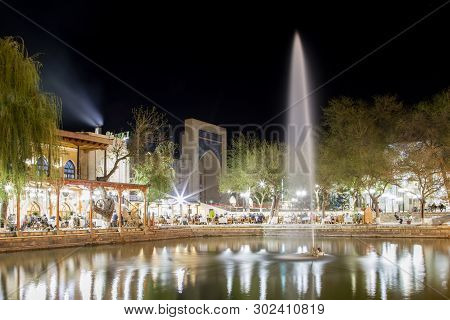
pixel 232 268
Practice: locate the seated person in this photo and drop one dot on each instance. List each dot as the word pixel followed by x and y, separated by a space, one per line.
pixel 398 218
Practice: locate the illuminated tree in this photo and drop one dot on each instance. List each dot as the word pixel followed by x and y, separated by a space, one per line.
pixel 420 165
pixel 149 128
pixel 156 171
pixel 429 125
pixel 29 118
pixel 360 135
pixel 257 167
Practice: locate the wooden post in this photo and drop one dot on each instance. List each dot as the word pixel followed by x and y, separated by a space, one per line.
pixel 79 202
pixel 57 208
pixel 105 163
pixel 18 213
pixel 50 205
pixel 145 208
pixel 119 191
pixel 159 214
pixel 91 205
pixel 78 163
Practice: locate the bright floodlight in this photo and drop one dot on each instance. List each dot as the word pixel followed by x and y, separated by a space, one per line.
pixel 180 199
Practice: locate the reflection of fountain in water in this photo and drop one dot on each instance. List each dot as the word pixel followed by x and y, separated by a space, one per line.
pixel 228 268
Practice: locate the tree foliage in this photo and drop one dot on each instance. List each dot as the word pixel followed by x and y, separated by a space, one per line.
pixel 420 165
pixel 29 117
pixel 156 171
pixel 255 166
pixel 427 126
pixel 358 140
pixel 148 129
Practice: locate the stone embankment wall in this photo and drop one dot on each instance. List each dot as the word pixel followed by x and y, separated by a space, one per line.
pixel 37 240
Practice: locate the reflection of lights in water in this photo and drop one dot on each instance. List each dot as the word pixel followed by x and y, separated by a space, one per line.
pixel 353 282
pixel 283 276
pixel 301 277
pixel 180 273
pixel 115 286
pixel 387 265
pixel 405 271
pixel 142 273
pixel 35 292
pixel 53 286
pixel 99 285
pixel 418 267
pixel 317 269
pixel 441 268
pixel 263 275
pixel 85 284
pixel 245 249
pixel 229 273
pixel 245 276
pixel 227 252
pixel 154 272
pixel 383 291
pixel 70 290
pixel 118 273
pixel 127 285
pixel 370 262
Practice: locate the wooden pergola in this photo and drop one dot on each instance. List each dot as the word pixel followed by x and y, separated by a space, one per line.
pixel 91 185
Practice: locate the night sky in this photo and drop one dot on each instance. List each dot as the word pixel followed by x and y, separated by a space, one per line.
pixel 223 64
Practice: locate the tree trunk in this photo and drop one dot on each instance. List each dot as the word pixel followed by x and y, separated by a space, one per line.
pixel 275 206
pixel 422 210
pixel 444 176
pixel 4 210
pixel 261 204
pixel 324 197
pixel 377 206
pixel 110 173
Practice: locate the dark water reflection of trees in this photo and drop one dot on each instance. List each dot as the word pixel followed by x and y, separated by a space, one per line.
pixel 236 268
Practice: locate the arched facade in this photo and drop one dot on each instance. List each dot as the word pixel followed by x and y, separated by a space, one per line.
pixel 202 161
pixel 42 166
pixel 209 172
pixel 69 170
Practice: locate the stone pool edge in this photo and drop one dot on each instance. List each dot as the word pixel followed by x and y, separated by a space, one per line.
pixel 113 236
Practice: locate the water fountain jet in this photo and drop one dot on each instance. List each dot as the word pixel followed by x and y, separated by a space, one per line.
pixel 300 129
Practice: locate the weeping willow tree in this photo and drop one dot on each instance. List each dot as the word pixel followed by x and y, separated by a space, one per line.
pixel 29 118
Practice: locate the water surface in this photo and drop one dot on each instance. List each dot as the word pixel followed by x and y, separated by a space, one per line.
pixel 232 268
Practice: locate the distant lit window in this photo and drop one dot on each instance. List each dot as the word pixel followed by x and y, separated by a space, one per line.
pixel 42 165
pixel 69 170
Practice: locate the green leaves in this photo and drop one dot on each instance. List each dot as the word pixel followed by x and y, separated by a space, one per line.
pixel 29 117
pixel 156 171
pixel 255 165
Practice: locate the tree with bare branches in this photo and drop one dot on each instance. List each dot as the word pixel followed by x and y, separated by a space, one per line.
pixel 148 128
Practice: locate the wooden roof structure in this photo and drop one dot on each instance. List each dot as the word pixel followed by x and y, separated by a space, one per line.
pixel 85 140
pixel 104 184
